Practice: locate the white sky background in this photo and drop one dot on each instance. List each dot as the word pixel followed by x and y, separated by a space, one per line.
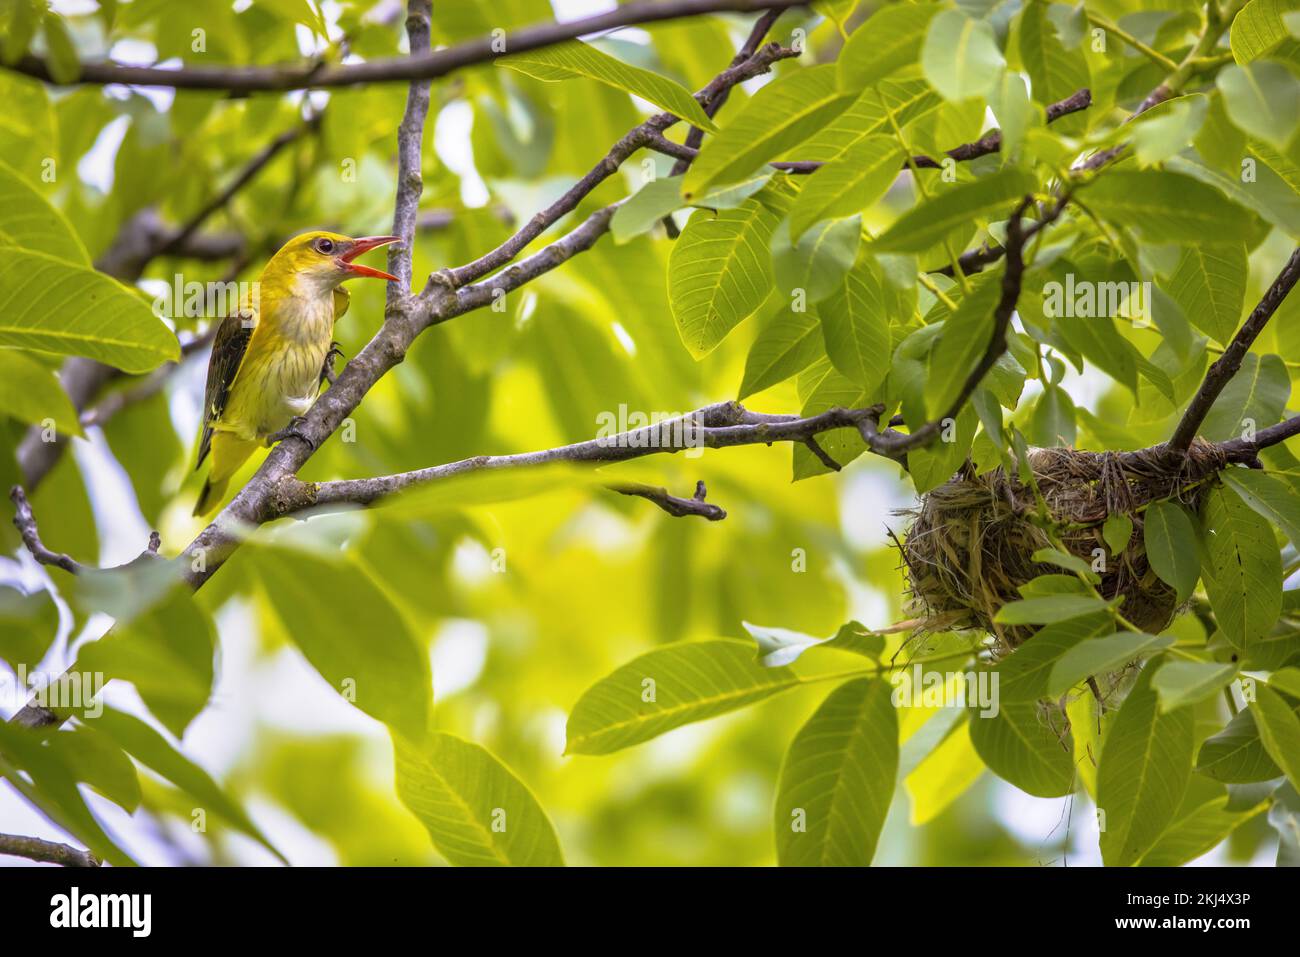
pixel 284 692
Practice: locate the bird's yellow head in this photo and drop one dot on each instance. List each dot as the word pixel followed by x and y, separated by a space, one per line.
pixel 323 260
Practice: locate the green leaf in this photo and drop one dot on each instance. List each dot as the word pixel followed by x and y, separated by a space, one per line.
pixel 855 323
pixel 780 646
pixel 31 394
pixel 1279 731
pixel 573 58
pixel 960 56
pixel 719 272
pixel 965 339
pixel 64 64
pixel 1054 72
pixel 28 219
pixel 1179 683
pixel 351 632
pixel 1209 286
pixel 1195 833
pixel 153 751
pixel 907 98
pixel 1170 540
pixel 1023 675
pixel 477 812
pixel 1097 656
pixel 838 779
pixel 28 626
pixel 853 181
pixel 788 344
pixel 55 306
pixel 888 41
pixel 96 760
pixel 1018 746
pixel 669 687
pixel 1053 423
pixel 1259 29
pixel 1166 207
pixel 1276 501
pixel 1243 567
pixel 1268 195
pixel 1263 99
pixel 1146 761
pixel 1117 530
pixel 1042 611
pixel 779 117
pixel 928 223
pixel 818 263
pixel 1253 398
pixel 166 652
pixel 659 197
pixel 1236 754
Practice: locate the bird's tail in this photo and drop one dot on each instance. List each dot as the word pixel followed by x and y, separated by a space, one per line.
pixel 229 452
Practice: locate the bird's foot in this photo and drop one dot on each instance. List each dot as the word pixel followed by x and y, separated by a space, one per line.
pixel 327 373
pixel 292 430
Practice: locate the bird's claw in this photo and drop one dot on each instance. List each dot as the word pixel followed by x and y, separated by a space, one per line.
pixel 327 373
pixel 292 430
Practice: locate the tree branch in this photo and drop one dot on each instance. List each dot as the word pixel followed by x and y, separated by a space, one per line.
pixel 25 522
pixel 423 64
pixel 48 852
pixel 674 506
pixel 635 139
pixel 1226 366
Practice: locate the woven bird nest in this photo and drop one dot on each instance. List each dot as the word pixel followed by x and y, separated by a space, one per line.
pixel 970 542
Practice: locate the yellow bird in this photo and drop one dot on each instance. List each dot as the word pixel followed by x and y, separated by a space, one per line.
pixel 266 371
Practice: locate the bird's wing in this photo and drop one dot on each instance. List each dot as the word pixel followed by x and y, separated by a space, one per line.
pixel 342 298
pixel 227 353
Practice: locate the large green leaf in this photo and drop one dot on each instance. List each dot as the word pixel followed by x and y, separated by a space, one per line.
pixel 351 632
pixel 1276 501
pixel 789 343
pixel 1097 656
pixel 1179 683
pixel 1024 676
pixel 28 220
pixel 477 812
pixel 1047 609
pixel 1258 30
pixel 1267 194
pixel 906 98
pixel 56 306
pixel 1146 761
pixel 1054 71
pixel 851 182
pixel 888 41
pixel 928 223
pixel 1243 567
pixel 574 58
pixel 967 333
pixel 154 751
pixel 1263 99
pixel 1197 831
pixel 29 623
pixel 719 272
pixel 668 687
pixel 1170 539
pixel 1236 755
pixel 30 393
pixel 779 117
pixel 1166 207
pixel 855 322
pixel 1253 398
pixel 817 264
pixel 1209 286
pixel 1019 746
pixel 960 56
pixel 838 779
pixel 1279 731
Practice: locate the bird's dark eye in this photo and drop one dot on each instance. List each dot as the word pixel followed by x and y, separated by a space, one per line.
pixel 325 246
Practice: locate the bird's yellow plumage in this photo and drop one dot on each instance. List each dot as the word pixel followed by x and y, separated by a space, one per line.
pixel 266 370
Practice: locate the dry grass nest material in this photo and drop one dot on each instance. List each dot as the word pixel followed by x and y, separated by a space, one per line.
pixel 970 543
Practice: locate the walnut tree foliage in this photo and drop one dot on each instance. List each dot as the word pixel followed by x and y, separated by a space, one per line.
pixel 914 239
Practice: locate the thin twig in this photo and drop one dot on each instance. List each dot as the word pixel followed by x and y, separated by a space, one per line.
pixel 47 852
pixel 672 504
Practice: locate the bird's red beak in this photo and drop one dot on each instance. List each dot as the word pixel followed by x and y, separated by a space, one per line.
pixel 363 245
